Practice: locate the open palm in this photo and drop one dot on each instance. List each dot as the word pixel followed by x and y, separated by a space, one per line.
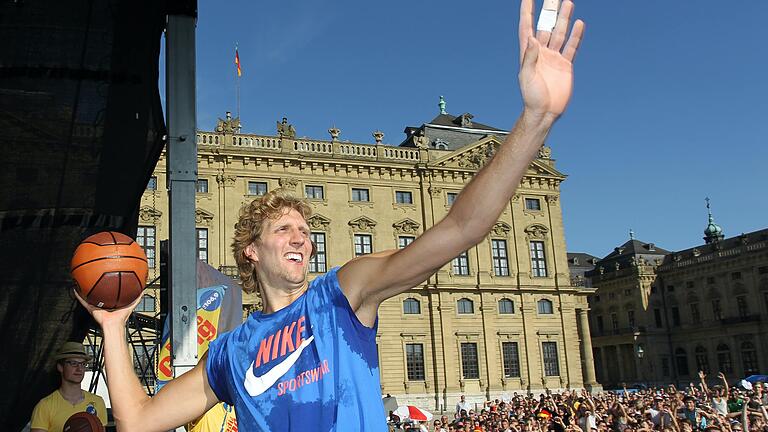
pixel 546 72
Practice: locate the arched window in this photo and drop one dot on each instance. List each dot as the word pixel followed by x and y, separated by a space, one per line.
pixel 681 358
pixel 147 304
pixel 506 306
pixel 749 358
pixel 702 362
pixel 411 306
pixel 465 306
pixel 545 307
pixel 724 358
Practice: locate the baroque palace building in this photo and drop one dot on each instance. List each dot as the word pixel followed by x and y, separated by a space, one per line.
pixel 663 316
pixel 501 318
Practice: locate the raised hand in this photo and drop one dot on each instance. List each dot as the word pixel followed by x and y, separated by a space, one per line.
pixel 702 375
pixel 105 317
pixel 546 71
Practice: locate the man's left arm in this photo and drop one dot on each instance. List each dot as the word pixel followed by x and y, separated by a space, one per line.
pixel 546 81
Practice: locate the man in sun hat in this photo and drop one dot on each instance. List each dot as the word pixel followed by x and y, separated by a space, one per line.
pixel 52 411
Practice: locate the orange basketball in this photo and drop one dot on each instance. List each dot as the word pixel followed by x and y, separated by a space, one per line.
pixel 110 269
pixel 83 422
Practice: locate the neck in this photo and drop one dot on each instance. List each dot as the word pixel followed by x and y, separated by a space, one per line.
pixel 71 391
pixel 273 299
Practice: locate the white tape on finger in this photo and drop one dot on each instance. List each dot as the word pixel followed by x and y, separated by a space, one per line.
pixel 547 20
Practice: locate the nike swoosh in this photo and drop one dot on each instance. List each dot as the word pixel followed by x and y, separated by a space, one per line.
pixel 256 385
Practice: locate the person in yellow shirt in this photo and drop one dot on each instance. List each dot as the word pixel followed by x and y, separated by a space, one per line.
pixel 52 411
pixel 220 418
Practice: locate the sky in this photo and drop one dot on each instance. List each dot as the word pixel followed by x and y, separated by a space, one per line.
pixel 670 103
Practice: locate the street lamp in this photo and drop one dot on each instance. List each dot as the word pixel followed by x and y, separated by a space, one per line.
pixel 640 351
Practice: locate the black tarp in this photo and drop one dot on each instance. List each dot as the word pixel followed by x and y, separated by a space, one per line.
pixel 82 126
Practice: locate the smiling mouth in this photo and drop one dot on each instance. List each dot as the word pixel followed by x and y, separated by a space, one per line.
pixel 294 257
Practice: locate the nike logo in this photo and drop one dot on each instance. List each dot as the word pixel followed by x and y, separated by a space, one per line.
pixel 256 385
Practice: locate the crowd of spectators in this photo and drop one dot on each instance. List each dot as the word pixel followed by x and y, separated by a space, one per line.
pixel 699 407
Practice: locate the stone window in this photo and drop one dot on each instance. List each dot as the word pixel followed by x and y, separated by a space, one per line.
pixel 506 306
pixel 461 264
pixel 145 237
pixel 147 304
pixel 465 306
pixel 411 306
pixel 317 263
pixel 681 361
pixel 257 188
pixel 403 197
pixel 201 186
pixel 550 356
pixel 500 262
pixel 469 364
pixel 702 362
pixel 749 358
pixel 545 307
pixel 533 204
pixel 360 194
pixel 724 364
pixel 152 183
pixel 314 192
pixel 403 241
pixel 414 359
pixel 538 260
pixel 450 197
pixel 511 358
pixel 363 244
pixel 202 244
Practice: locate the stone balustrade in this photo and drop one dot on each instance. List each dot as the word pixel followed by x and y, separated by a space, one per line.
pixel 377 152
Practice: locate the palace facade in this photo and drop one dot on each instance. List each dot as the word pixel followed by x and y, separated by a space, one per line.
pixel 502 317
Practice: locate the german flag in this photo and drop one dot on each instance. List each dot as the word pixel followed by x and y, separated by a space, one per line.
pixel 544 413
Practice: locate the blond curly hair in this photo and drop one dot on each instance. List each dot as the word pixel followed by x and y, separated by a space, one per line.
pixel 250 225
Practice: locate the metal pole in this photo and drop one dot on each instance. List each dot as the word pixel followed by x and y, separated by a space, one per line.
pixel 182 175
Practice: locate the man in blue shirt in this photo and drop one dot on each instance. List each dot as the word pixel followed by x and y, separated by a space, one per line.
pixel 308 360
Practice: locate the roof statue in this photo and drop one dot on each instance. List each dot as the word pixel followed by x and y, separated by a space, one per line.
pixel 285 129
pixel 441 104
pixel 228 125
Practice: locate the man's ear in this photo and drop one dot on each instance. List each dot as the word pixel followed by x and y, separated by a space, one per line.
pixel 250 252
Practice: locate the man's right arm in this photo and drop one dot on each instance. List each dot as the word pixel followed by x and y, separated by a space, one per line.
pixel 179 402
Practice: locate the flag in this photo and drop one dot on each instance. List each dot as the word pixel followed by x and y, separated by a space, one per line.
pixel 237 63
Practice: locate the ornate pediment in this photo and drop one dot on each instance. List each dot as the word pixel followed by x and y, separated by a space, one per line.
pixel 203 217
pixel 363 224
pixel 150 215
pixel 536 231
pixel 318 222
pixel 406 226
pixel 501 229
pixel 475 156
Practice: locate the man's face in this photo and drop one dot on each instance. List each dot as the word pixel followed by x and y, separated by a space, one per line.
pixel 690 405
pixel 282 252
pixel 72 370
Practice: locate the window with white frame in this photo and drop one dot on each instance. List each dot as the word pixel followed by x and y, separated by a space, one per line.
pixel 403 241
pixel 500 261
pixel 201 186
pixel 506 306
pixel 314 192
pixel 469 364
pixel 465 306
pixel 414 359
pixel 461 264
pixel 257 188
pixel 363 244
pixel 538 260
pixel 532 204
pixel 411 306
pixel 202 244
pixel 511 358
pixel 360 194
pixel 545 307
pixel 317 263
pixel 550 356
pixel 145 237
pixel 450 197
pixel 147 304
pixel 403 197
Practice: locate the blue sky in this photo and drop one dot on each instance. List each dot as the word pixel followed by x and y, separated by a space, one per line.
pixel 670 103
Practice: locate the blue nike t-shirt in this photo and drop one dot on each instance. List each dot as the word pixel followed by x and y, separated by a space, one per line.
pixel 311 366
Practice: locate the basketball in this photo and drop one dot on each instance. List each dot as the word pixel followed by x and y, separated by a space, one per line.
pixel 110 269
pixel 83 422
